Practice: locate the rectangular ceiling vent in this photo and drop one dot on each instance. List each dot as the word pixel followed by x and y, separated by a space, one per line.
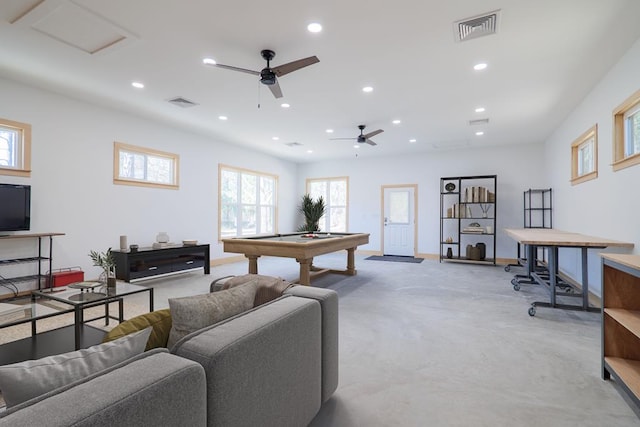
pixel 182 102
pixel 477 26
pixel 478 122
pixel 293 144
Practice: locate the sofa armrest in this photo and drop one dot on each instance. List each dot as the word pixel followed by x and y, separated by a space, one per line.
pixel 263 367
pixel 155 388
pixel 328 300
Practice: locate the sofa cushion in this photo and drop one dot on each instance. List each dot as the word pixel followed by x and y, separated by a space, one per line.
pixel 22 381
pixel 159 320
pixel 192 313
pixel 269 287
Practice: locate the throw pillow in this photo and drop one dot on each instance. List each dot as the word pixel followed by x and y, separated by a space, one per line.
pixel 269 287
pixel 22 381
pixel 160 322
pixel 190 314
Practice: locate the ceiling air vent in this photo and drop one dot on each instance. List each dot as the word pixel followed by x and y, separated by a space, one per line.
pixel 293 144
pixel 478 122
pixel 477 26
pixel 182 102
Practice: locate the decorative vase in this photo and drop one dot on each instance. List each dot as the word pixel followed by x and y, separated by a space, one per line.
pixel 108 279
pixel 449 253
pixel 162 237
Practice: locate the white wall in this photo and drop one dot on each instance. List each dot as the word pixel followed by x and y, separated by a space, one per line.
pixel 608 206
pixel 72 179
pixel 518 168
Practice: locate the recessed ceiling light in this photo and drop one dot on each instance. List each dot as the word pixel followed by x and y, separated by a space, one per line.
pixel 209 61
pixel 396 122
pixel 275 138
pixel 137 85
pixel 314 27
pixel 479 133
pixel 412 140
pixel 356 146
pixel 480 110
pixel 309 151
pixel 285 105
pixel 367 89
pixel 480 66
pixel 223 117
pixel 329 130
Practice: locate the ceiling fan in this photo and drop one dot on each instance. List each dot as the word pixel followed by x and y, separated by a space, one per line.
pixel 363 138
pixel 269 76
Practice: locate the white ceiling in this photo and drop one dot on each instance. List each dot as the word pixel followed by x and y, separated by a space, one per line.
pixel 545 57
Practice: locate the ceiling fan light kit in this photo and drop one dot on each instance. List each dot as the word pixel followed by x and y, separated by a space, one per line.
pixel 269 76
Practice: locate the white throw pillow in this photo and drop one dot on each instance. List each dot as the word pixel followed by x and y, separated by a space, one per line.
pixel 22 381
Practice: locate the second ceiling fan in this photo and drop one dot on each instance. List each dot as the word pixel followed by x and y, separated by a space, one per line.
pixel 269 76
pixel 363 138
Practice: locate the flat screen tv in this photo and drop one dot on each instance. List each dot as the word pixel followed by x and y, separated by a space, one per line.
pixel 15 207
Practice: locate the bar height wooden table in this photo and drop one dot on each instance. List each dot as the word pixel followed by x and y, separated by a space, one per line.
pixel 554 239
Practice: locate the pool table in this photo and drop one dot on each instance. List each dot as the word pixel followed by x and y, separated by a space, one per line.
pixel 301 246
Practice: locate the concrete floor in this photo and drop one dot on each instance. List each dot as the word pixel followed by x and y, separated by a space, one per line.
pixel 448 344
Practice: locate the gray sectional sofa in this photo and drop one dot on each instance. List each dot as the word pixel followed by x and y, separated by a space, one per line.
pixel 273 365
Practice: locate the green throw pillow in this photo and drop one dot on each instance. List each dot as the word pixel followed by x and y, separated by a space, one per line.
pixel 159 320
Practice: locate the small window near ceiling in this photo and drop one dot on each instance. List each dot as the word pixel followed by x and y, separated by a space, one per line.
pixel 15 148
pixel 144 167
pixel 584 157
pixel 335 192
pixel 626 133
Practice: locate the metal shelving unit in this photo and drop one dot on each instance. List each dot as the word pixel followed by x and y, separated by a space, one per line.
pixel 537 208
pixel 464 202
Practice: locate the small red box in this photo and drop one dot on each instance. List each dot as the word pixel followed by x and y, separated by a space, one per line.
pixel 62 278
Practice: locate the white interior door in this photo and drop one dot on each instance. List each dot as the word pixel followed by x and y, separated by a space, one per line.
pixel 399 222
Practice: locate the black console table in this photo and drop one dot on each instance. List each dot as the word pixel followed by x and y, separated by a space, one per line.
pixel 150 262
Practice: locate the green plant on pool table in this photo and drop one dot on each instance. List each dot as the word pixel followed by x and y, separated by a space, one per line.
pixel 312 211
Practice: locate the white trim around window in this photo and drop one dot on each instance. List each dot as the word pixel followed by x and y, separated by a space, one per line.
pixel 15 148
pixel 247 202
pixel 146 167
pixel 335 191
pixel 584 157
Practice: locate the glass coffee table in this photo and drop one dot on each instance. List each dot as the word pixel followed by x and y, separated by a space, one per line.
pixel 64 339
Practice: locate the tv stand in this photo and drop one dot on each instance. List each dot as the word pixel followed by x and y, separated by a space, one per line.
pixel 147 263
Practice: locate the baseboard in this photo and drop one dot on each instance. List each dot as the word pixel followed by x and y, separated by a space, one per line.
pixel 594 299
pixel 21 294
pixel 368 253
pixel 226 260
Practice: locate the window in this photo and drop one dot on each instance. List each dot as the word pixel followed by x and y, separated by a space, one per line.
pixel 247 204
pixel 335 192
pixel 15 148
pixel 626 133
pixel 145 167
pixel 584 157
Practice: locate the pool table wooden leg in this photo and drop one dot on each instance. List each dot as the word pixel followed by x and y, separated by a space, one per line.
pixel 253 263
pixel 351 262
pixel 305 270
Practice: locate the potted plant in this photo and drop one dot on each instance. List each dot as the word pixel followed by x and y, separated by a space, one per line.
pixel 312 211
pixel 107 263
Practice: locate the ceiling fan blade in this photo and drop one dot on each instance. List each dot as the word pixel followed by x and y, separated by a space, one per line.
pixel 232 68
pixel 371 134
pixel 289 67
pixel 370 142
pixel 275 89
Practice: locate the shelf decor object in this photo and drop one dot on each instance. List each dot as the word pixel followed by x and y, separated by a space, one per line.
pixel 466 214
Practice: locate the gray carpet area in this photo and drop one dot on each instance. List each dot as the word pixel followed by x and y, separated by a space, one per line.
pixel 449 344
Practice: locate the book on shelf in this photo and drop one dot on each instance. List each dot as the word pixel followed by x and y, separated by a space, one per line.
pixel 478 195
